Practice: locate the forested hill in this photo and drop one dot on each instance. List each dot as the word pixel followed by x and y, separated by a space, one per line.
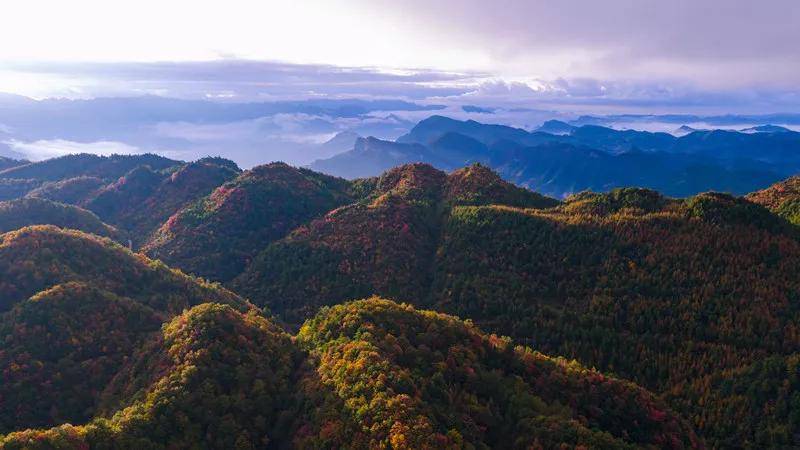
pixel 140 356
pixel 686 307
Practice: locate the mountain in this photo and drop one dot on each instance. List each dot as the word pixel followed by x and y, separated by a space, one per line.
pixel 434 127
pixel 216 377
pixel 683 130
pixel 11 188
pixel 587 157
pixel 217 235
pixel 384 244
pixel 143 199
pixel 339 143
pixel 613 280
pixel 783 198
pixel 556 127
pixel 21 213
pixel 33 259
pixel 685 309
pixel 7 163
pixel 766 129
pixel 70 166
pixel 371 156
pixel 420 379
pixel 74 190
pixel 561 169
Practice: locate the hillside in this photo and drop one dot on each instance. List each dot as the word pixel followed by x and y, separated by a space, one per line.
pixel 219 378
pixel 783 198
pixel 7 163
pixel 385 244
pixel 73 191
pixel 143 199
pixel 11 188
pixel 20 213
pixel 216 236
pixel 37 258
pixel 70 166
pixel 615 280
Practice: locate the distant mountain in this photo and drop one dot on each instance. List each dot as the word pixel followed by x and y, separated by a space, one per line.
pixel 340 143
pixel 683 130
pixel 477 109
pixel 766 129
pixel 371 156
pixel 434 127
pixel 559 169
pixel 588 157
pixel 7 163
pixel 556 127
pixel 70 166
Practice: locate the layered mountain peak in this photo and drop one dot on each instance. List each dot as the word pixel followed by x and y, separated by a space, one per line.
pixel 479 185
pixel 557 127
pixel 217 235
pixel 631 200
pixel 417 181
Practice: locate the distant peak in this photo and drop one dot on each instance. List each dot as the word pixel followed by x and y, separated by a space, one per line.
pixel 766 129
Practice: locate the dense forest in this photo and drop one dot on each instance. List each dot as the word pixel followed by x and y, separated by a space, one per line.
pixel 624 319
pixel 146 357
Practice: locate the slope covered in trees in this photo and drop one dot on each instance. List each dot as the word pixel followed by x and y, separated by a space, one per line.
pixel 419 379
pixel 782 198
pixel 384 244
pixel 74 190
pixel 661 291
pixel 696 300
pixel 7 163
pixel 217 235
pixel 20 213
pixel 74 309
pixel 34 259
pixel 70 166
pixel 143 199
pixel 368 374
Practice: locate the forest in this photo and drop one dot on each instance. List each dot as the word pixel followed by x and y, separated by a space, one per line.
pixel 151 303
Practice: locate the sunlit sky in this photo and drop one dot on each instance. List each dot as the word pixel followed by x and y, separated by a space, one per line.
pixel 618 48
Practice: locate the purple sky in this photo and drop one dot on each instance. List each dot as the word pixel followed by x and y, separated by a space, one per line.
pixel 577 55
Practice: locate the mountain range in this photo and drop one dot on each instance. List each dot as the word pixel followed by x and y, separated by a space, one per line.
pixel 559 159
pixel 153 303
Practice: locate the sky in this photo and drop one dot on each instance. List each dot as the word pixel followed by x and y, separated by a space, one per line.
pixel 521 62
pixel 635 54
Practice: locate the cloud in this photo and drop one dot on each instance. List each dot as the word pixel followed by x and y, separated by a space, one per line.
pixel 229 80
pixel 730 43
pixel 43 149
